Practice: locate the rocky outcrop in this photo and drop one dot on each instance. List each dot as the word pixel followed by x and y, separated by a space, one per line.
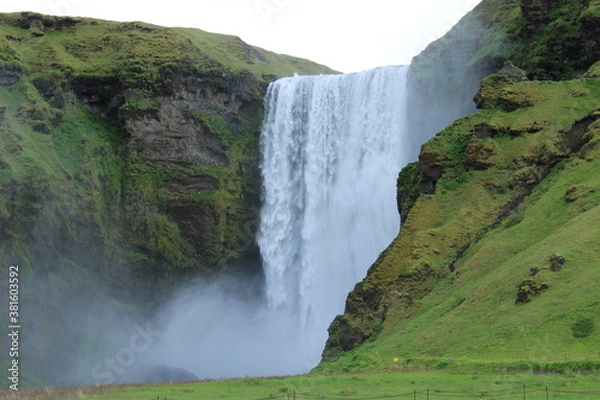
pixel 9 75
pixel 204 134
pixel 512 72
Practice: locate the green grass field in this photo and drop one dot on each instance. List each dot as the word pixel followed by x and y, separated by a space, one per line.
pixel 392 385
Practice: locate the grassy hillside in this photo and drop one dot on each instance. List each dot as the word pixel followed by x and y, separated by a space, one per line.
pixel 496 258
pixel 79 46
pixel 128 161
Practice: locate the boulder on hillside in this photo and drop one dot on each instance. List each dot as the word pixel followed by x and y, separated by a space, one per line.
pixel 494 90
pixel 512 72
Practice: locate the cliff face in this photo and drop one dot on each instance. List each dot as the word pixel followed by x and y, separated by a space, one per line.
pixel 472 243
pixel 128 161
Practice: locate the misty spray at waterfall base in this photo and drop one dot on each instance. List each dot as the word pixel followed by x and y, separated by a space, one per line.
pixel 332 147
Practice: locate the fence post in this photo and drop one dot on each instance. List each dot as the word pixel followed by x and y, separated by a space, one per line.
pixel 524 392
pixel 547 395
pixel 427 393
pixel 415 394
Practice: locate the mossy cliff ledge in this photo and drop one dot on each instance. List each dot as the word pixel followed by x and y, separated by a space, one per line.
pixel 128 160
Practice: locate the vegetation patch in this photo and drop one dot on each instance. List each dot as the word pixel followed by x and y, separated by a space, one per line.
pixel 583 327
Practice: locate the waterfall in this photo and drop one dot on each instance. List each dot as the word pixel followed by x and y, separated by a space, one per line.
pixel 332 150
pixel 332 147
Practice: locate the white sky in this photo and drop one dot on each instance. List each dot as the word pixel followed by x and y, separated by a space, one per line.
pixel 347 36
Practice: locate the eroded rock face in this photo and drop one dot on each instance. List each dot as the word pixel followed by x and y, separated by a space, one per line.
pixel 45 23
pixel 186 139
pixel 512 72
pixel 172 134
pixel 495 90
pixel 9 75
pixel 196 121
pixel 192 187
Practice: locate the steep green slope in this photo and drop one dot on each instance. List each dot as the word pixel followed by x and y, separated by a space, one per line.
pixel 128 161
pixel 498 251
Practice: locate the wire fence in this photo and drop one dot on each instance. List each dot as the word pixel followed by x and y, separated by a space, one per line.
pixel 518 392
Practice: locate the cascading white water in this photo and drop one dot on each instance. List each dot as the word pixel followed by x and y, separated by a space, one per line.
pixel 332 149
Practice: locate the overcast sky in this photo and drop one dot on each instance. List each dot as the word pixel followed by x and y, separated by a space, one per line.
pixel 346 35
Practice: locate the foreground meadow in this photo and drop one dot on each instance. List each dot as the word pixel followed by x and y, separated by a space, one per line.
pixel 390 385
